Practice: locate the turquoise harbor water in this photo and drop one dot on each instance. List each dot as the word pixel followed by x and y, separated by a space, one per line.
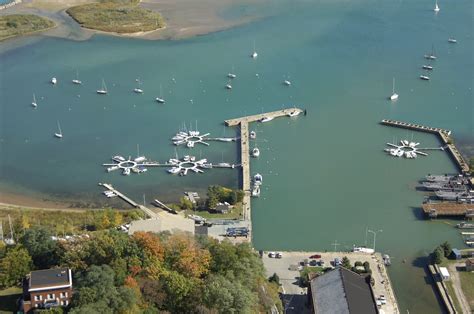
pixel 326 177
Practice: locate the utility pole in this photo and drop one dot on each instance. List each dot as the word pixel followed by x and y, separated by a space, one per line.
pixel 366 229
pixel 375 235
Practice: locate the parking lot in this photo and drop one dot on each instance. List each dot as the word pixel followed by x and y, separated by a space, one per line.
pixel 286 268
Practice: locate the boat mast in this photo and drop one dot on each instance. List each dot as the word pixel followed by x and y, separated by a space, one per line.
pixel 59 128
pixel 393 86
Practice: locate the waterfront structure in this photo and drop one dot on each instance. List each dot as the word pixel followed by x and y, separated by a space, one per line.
pixel 341 291
pixel 47 288
pixel 171 224
pixel 444 274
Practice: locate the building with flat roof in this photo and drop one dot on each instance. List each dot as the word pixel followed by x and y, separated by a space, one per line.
pixel 341 291
pixel 443 272
pixel 47 288
pixel 165 222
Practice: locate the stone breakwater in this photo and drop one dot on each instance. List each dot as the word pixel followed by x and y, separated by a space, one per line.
pixel 9 4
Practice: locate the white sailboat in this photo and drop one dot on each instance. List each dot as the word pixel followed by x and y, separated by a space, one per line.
pixel 33 103
pixel 76 80
pixel 137 89
pixel 254 54
pixel 160 99
pixel 431 56
pixel 228 86
pixel 59 134
pixel 436 8
pixel 394 95
pixel 255 152
pixel 231 75
pixel 54 81
pixel 103 89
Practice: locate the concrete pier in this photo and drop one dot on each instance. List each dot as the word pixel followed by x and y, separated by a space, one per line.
pixel 147 211
pixel 443 135
pixel 257 117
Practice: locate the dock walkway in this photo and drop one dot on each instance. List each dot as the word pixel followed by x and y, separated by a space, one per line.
pixel 257 117
pixel 146 210
pixel 442 133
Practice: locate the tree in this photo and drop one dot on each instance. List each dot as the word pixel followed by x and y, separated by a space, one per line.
pixel 227 296
pixel 437 255
pixel 41 247
pixel 446 248
pixel 346 263
pixel 14 266
pixel 185 203
pixel 117 219
pixel 274 278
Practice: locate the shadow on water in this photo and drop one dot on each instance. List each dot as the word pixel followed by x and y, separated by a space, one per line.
pixel 418 212
pixel 423 262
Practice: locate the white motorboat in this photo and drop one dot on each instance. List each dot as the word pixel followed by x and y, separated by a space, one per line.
pixel 436 8
pixel 138 90
pixel 103 89
pixel 224 164
pixel 33 103
pixel 452 40
pixel 59 134
pixel 231 75
pixel 190 144
pixel 405 142
pixel 140 159
pixel 256 191
pixel 255 152
pixel 266 119
pixel 54 81
pixel 126 172
pixel 294 113
pixel 228 86
pixel 400 153
pixel 425 77
pixel 118 158
pixel 112 168
pixel 427 67
pixel 253 134
pixel 160 99
pixel 254 54
pixel 187 158
pixel 76 80
pixel 394 95
pixel 258 179
pixel 393 152
pixel 286 82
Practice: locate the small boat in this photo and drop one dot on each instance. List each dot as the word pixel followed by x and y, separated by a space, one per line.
pixel 103 89
pixel 160 99
pixel 464 225
pixel 187 158
pixel 294 113
pixel 386 260
pixel 54 81
pixel 59 134
pixel 400 153
pixel 190 144
pixel 255 152
pixel 231 75
pixel 254 54
pixel 394 95
pixel 286 82
pixel 452 40
pixel 427 67
pixel 258 179
pixel 126 172
pixel 253 134
pixel 76 80
pixel 140 159
pixel 256 191
pixel 431 56
pixel 138 90
pixel 424 77
pixel 118 158
pixel 436 8
pixel 33 103
pixel 112 168
pixel 228 86
pixel 266 119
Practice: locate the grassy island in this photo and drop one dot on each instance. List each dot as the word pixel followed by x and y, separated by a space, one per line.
pixel 22 24
pixel 119 16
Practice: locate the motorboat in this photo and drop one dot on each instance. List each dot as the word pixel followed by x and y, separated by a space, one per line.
pixel 192 158
pixel 187 158
pixel 118 158
pixel 436 8
pixel 33 103
pixel 126 172
pixel 431 56
pixel 254 54
pixel 231 75
pixel 138 90
pixel 59 134
pixel 76 80
pixel 224 165
pixel 452 40
pixel 255 152
pixel 256 191
pixel 174 170
pixel 225 139
pixel 228 86
pixel 400 153
pixel 294 113
pixel 54 81
pixel 427 67
pixel 394 95
pixel 160 99
pixel 266 119
pixel 286 82
pixel 103 89
pixel 109 169
pixel 140 159
pixel 253 134
pixel 190 144
pixel 404 142
pixel 425 77
pixel 258 179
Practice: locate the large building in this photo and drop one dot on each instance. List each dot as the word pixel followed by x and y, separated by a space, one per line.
pixel 43 289
pixel 341 291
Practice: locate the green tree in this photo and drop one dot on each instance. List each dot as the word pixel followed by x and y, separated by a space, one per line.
pixel 274 278
pixel 42 248
pixel 185 203
pixel 437 255
pixel 227 296
pixel 14 266
pixel 446 249
pixel 346 263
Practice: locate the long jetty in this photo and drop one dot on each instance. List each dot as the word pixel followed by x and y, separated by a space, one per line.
pixel 146 210
pixel 433 210
pixel 443 134
pixel 244 122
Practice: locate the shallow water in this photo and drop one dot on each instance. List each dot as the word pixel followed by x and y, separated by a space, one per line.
pixel 326 177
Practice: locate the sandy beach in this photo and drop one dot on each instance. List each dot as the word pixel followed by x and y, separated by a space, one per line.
pixel 184 18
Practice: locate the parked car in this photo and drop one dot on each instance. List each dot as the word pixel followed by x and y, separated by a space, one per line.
pixel 321 263
pixel 271 254
pixel 313 262
pixel 337 262
pixel 315 256
pixel 278 255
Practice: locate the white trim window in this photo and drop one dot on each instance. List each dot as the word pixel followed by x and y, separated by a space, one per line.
pixel 37 297
pixel 50 296
pixel 64 303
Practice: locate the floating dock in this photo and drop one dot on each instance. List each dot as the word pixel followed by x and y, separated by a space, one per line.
pixel 442 133
pixel 257 117
pixel 147 211
pixel 434 210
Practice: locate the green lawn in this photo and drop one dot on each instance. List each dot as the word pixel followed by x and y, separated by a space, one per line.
pixel 467 284
pixel 452 294
pixel 116 16
pixel 8 298
pixel 235 213
pixel 22 24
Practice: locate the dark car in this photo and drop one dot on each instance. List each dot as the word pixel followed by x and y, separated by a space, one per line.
pixel 315 256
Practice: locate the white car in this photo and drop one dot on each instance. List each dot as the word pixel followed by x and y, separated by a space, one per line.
pixel 272 254
pixel 278 255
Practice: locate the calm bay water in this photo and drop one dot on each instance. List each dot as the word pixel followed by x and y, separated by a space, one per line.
pixel 326 176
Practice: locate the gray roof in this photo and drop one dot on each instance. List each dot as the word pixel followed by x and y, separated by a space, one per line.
pixel 342 291
pixel 49 277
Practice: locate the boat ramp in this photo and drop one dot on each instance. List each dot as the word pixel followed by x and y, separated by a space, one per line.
pixel 443 134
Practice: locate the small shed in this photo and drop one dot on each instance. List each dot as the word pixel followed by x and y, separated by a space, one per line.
pixel 456 254
pixel 443 271
pixel 222 208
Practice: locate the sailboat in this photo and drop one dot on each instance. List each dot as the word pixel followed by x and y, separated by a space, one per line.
pixel 436 8
pixel 137 89
pixel 59 134
pixel 76 80
pixel 103 89
pixel 254 54
pixel 231 75
pixel 33 103
pixel 432 55
pixel 160 99
pixel 54 81
pixel 228 86
pixel 394 95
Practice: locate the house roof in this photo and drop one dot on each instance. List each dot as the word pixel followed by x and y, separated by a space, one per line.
pixel 342 291
pixel 50 278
